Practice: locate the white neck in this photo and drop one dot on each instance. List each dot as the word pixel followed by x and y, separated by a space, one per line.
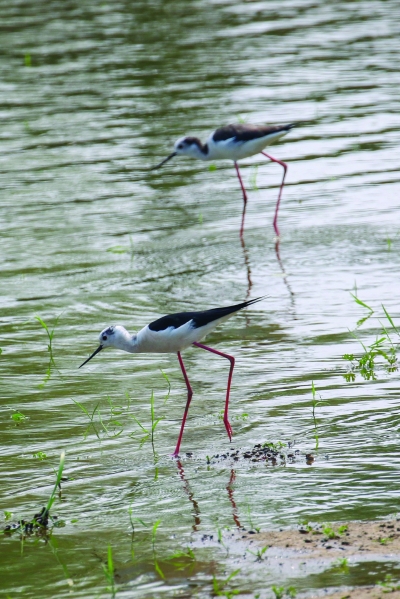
pixel 124 340
pixel 195 152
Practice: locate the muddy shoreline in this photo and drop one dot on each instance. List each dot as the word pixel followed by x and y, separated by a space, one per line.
pixel 345 543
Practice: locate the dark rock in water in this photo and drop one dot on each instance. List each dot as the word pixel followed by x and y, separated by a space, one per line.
pixel 260 453
pixel 39 522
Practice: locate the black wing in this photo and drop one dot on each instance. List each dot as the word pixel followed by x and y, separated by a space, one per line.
pixel 248 132
pixel 200 319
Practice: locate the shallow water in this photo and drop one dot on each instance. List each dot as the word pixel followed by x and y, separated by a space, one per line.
pixel 91 237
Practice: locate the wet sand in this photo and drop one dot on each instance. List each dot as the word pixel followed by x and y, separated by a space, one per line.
pixel 360 538
pixel 321 545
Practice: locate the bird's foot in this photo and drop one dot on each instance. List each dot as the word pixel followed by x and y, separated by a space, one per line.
pixel 228 429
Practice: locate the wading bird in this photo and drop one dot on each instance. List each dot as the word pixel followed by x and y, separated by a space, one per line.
pixel 235 142
pixel 172 334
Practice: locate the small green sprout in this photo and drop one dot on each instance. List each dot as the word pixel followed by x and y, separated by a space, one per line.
pixel 258 553
pixel 27 60
pixel 342 564
pixel 122 249
pixel 252 525
pixel 212 167
pixel 57 483
pixel 109 570
pixel 281 592
pixel 278 591
pixel 275 446
pixel 7 515
pixel 40 455
pixel 253 178
pixel 219 586
pixel 18 417
pixel 50 336
pixel 389 584
pixel 385 540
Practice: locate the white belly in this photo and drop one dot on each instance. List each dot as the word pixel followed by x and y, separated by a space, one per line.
pixel 173 340
pixel 233 150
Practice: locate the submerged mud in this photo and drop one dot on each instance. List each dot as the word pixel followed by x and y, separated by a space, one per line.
pixel 341 539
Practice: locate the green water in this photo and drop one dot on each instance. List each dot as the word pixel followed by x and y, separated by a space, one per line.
pixel 91 237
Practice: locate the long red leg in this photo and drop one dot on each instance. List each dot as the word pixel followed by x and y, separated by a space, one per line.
pixel 189 399
pixel 232 361
pixel 280 190
pixel 244 197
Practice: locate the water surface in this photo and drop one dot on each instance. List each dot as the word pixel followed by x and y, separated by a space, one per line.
pixel 91 96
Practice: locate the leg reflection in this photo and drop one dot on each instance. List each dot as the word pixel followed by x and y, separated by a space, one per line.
pixel 291 294
pixel 229 488
pixel 247 265
pixel 196 509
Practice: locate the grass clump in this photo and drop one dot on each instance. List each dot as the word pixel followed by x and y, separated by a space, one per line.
pixel 40 521
pixel 382 351
pixel 281 592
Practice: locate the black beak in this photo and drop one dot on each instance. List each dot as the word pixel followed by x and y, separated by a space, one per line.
pixel 92 356
pixel 164 161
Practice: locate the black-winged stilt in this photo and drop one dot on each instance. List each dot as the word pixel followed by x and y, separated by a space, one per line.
pixel 172 334
pixel 235 142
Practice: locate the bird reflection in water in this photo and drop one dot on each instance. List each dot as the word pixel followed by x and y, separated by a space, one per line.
pixel 186 487
pixel 196 509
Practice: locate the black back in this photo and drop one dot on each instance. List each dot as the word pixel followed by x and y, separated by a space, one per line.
pixel 248 132
pixel 199 319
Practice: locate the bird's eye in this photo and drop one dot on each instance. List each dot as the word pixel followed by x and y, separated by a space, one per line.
pixel 180 146
pixel 104 337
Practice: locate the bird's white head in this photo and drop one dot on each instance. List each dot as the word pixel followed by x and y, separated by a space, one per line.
pixel 114 336
pixel 188 146
pixel 110 336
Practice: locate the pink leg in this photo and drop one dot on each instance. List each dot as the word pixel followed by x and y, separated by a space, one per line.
pixel 232 361
pixel 189 399
pixel 244 197
pixel 280 191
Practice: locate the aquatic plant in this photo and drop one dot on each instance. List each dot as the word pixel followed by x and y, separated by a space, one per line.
pixel 18 417
pixel 219 586
pixel 149 433
pixel 40 455
pixel 275 446
pixel 56 485
pixel 122 249
pixel 281 592
pixel 383 347
pixel 259 553
pixel 109 570
pixel 314 405
pixel 389 584
pixel 331 533
pixel 253 526
pixel 50 336
pixel 253 178
pixel 342 564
